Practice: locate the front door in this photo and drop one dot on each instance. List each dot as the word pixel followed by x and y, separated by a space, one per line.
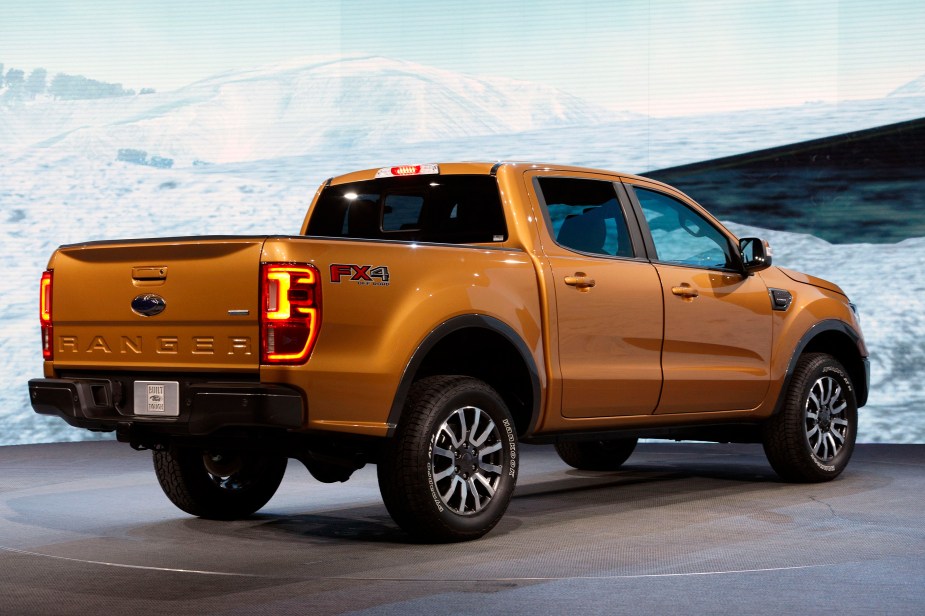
pixel 717 350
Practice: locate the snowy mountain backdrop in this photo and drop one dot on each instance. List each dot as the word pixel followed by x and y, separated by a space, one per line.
pixel 243 152
pixel 303 106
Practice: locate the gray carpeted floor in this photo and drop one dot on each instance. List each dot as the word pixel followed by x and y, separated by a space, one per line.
pixel 682 529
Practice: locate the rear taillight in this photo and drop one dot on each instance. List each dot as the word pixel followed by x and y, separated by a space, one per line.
pixel 290 313
pixel 45 315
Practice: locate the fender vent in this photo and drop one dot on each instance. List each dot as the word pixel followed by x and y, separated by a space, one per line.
pixel 780 299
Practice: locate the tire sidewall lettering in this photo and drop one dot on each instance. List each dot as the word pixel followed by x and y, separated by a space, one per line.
pixel 430 476
pixel 512 449
pixel 843 379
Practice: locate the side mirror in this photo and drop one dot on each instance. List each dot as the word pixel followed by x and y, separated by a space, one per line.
pixel 756 254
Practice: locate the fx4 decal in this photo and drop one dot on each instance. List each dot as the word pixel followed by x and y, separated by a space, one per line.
pixel 360 274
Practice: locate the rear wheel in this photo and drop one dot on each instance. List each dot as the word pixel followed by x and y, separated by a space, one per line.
pixel 220 485
pixel 811 439
pixel 601 455
pixel 449 472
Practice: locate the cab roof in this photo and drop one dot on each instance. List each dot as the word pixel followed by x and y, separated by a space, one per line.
pixel 467 168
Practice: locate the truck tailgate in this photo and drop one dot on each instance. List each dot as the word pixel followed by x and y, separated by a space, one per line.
pixel 183 303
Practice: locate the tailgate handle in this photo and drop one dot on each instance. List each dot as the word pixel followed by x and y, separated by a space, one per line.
pixel 149 272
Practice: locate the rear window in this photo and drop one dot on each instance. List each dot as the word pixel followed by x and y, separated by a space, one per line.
pixel 452 209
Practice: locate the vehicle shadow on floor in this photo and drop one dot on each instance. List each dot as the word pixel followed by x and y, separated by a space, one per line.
pixel 572 492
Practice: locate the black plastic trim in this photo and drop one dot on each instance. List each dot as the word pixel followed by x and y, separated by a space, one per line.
pixel 98 404
pixel 780 299
pixel 861 389
pixel 478 321
pixel 647 242
pixel 477 245
pixel 719 432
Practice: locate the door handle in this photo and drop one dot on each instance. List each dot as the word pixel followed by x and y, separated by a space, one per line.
pixel 686 291
pixel 580 281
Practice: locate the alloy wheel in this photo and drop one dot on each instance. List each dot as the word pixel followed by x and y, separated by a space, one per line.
pixel 826 424
pixel 466 460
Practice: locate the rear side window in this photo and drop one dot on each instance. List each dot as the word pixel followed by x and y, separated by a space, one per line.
pixel 452 209
pixel 585 215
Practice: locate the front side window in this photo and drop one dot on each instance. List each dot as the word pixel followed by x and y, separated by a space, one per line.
pixel 682 235
pixel 585 215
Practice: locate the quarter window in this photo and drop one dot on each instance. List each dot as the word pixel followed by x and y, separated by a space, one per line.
pixel 682 235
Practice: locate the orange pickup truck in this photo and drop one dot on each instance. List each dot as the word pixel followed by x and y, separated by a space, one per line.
pixel 431 318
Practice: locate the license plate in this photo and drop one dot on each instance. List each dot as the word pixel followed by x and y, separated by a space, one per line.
pixel 157 398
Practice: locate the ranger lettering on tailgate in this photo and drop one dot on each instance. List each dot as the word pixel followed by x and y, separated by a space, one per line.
pixel 200 345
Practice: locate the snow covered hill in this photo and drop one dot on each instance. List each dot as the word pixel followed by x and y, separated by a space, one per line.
pixel 302 106
pixel 916 87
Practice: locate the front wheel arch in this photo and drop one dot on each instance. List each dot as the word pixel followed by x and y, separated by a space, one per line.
pixel 842 342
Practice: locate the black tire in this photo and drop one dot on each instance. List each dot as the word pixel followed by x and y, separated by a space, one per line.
pixel 450 471
pixel 218 485
pixel 812 437
pixel 601 455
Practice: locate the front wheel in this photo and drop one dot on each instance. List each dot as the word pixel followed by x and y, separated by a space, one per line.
pixel 811 439
pixel 218 485
pixel 449 472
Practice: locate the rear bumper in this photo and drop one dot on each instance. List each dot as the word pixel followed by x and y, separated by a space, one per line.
pixel 106 405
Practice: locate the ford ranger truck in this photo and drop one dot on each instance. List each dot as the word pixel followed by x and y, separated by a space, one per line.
pixel 430 319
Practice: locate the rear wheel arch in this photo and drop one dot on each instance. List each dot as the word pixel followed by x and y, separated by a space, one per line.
pixel 481 347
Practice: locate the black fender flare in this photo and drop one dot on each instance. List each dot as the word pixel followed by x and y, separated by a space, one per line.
pixel 861 388
pixel 468 321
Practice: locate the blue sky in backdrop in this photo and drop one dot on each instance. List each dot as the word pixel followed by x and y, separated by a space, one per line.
pixel 649 56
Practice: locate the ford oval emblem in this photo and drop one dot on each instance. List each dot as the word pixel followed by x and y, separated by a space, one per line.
pixel 148 305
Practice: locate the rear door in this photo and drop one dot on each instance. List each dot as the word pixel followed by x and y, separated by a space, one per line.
pixel 717 348
pixel 608 297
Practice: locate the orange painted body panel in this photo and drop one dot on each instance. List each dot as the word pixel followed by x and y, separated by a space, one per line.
pixel 717 349
pixel 358 360
pixel 626 353
pixel 610 337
